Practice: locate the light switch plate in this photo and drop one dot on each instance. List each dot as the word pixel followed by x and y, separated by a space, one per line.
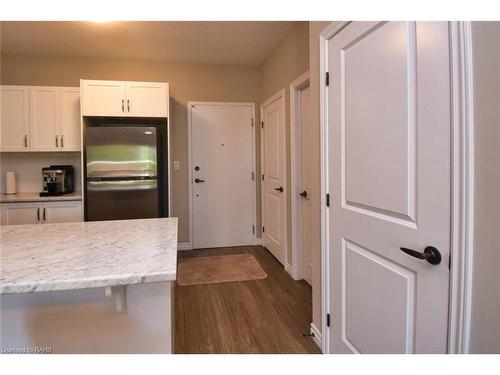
pixel 177 165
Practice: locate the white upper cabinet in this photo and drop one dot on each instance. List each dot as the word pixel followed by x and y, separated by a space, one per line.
pixel 70 119
pixel 147 99
pixel 40 118
pixel 14 126
pixel 103 98
pixel 44 118
pixel 123 98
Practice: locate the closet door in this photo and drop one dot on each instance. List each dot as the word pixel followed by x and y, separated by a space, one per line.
pixel 70 119
pixel 44 118
pixel 14 125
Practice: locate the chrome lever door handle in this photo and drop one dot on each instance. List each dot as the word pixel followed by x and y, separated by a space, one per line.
pixel 430 254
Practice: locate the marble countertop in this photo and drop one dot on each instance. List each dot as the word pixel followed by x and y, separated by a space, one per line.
pixel 35 197
pixel 49 257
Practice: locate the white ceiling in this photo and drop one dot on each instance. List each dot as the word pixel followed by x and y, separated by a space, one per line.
pixel 246 43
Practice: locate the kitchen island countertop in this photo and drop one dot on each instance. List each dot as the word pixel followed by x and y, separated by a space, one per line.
pixel 84 255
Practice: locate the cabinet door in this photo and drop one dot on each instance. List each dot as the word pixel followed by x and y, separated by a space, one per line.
pixel 62 212
pixel 21 213
pixel 14 126
pixel 44 118
pixel 103 98
pixel 147 99
pixel 70 119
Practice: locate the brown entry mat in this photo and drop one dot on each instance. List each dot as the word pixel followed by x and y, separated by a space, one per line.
pixel 219 269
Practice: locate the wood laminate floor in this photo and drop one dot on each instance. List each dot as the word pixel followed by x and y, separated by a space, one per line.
pixel 258 316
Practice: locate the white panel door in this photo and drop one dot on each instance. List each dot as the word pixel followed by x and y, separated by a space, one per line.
pixel 21 213
pixel 70 119
pixel 14 125
pixel 306 181
pixel 273 187
pixel 44 118
pixel 62 212
pixel 103 98
pixel 147 99
pixel 389 180
pixel 222 187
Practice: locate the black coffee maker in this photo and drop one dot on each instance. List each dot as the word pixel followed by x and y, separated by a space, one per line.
pixel 58 180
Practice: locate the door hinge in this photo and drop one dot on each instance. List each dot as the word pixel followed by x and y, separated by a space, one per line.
pixel 252 123
pixel 253 229
pixel 327 79
pixel 262 124
pixel 328 320
pixel 328 200
pixel 262 177
pixel 253 176
pixel 263 229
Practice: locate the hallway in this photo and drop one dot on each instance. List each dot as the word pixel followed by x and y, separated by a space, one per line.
pixel 258 316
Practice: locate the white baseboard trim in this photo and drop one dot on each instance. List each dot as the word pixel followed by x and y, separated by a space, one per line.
pixel 258 241
pixel 289 269
pixel 184 246
pixel 317 335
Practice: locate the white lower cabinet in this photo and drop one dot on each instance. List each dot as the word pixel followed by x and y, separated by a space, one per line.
pixel 21 213
pixel 62 212
pixel 41 212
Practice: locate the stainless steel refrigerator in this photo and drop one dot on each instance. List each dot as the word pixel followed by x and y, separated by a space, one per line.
pixel 124 166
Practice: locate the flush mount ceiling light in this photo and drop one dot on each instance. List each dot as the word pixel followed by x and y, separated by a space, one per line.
pixel 100 20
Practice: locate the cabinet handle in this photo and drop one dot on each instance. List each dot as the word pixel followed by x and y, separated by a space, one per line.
pixel 57 141
pixel 38 214
pixel 26 140
pixel 123 105
pixel 62 140
pixel 128 105
pixel 44 215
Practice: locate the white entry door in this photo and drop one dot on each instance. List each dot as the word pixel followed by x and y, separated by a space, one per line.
pixel 222 155
pixel 389 179
pixel 274 176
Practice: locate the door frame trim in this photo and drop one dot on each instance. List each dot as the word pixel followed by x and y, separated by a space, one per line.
pixel 296 86
pixel 462 184
pixel 271 99
pixel 190 104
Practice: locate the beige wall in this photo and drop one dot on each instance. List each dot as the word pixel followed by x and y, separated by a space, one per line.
pixel 486 292
pixel 202 82
pixel 315 29
pixel 288 61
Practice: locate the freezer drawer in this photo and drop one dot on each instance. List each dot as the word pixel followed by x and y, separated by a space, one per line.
pixel 124 199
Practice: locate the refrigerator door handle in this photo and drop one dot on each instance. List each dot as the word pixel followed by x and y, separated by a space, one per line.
pixel 121 185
